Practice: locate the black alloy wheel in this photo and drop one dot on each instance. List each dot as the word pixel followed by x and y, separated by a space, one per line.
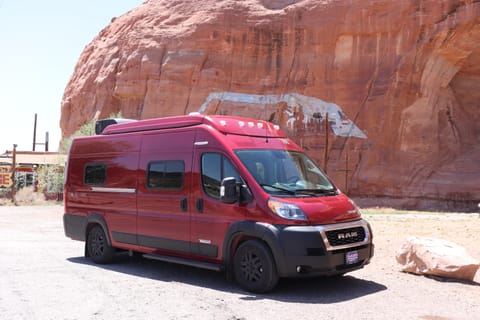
pixel 254 267
pixel 98 248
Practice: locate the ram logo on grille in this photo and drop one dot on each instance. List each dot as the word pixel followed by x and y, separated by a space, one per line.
pixel 347 235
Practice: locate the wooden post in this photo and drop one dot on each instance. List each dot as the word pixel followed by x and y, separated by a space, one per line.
pixel 14 164
pixel 346 170
pixel 325 154
pixel 34 132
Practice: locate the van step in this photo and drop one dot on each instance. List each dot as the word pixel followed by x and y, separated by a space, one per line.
pixel 185 261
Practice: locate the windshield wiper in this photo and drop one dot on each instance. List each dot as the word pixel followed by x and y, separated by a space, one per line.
pixel 278 188
pixel 305 192
pixel 317 192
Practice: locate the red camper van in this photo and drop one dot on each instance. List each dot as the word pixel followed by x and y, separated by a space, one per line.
pixel 216 192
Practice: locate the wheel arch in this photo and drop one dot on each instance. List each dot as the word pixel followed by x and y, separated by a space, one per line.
pixel 94 219
pixel 240 232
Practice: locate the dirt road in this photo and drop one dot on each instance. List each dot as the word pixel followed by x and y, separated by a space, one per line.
pixel 43 275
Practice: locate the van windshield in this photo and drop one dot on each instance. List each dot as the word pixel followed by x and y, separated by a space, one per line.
pixel 286 173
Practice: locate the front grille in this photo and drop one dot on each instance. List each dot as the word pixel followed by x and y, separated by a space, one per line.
pixel 342 237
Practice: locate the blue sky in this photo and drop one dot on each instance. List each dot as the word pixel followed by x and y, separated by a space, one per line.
pixel 40 43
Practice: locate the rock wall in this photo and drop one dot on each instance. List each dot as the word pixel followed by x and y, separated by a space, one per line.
pixel 405 74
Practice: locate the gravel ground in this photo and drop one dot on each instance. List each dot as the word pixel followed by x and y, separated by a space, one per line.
pixel 43 275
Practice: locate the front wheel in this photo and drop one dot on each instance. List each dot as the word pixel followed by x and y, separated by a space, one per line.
pixel 254 267
pixel 97 245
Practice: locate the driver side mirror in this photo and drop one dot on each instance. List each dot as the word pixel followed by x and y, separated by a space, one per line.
pixel 232 191
pixel 228 190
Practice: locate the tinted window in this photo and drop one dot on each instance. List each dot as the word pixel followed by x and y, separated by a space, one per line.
pixel 215 168
pixel 95 174
pixel 166 174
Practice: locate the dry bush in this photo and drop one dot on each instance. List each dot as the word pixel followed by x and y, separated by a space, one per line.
pixel 5 201
pixel 28 195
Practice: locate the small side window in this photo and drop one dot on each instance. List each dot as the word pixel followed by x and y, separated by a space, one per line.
pixel 166 174
pixel 95 174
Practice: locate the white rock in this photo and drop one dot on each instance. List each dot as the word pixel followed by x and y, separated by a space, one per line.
pixel 429 256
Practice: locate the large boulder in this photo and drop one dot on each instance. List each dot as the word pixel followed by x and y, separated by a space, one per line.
pixel 436 257
pixel 406 73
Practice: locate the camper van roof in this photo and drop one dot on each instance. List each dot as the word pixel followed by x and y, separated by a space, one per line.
pixel 224 124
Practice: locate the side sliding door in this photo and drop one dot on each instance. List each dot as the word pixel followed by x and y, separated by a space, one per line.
pixel 164 189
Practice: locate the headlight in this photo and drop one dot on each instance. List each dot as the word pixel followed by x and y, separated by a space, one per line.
pixel 286 210
pixel 355 209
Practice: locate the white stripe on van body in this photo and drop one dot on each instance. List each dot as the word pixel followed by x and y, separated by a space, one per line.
pixel 114 190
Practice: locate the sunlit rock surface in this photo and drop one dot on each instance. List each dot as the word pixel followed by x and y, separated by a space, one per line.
pixel 400 81
pixel 436 257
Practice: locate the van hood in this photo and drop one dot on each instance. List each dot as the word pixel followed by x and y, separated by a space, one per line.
pixel 328 209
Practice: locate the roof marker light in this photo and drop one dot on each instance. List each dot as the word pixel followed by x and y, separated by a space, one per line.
pixel 260 125
pixel 241 123
pixel 223 123
pixel 251 124
pixel 276 127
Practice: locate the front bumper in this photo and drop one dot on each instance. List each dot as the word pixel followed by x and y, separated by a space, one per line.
pixel 323 250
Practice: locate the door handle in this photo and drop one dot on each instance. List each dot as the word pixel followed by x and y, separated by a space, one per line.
pixel 183 204
pixel 199 205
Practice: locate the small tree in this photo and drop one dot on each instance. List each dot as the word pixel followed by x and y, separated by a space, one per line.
pixel 50 179
pixel 88 129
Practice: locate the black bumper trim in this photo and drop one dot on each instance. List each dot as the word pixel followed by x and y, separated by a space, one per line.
pixel 75 226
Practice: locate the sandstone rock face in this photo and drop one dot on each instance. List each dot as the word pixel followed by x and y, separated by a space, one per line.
pixel 428 256
pixel 403 77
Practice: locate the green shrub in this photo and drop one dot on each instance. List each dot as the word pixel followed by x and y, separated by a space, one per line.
pixel 50 179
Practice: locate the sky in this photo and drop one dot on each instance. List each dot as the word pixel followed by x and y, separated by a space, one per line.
pixel 40 43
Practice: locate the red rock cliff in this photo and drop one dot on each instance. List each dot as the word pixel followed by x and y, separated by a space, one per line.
pixel 400 81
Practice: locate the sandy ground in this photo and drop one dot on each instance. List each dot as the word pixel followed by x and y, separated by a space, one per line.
pixel 43 275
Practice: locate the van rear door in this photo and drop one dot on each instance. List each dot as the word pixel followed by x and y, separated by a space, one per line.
pixel 164 189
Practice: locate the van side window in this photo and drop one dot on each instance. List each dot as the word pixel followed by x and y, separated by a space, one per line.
pixel 216 167
pixel 167 174
pixel 95 174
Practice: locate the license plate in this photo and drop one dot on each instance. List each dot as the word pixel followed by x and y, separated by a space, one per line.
pixel 351 257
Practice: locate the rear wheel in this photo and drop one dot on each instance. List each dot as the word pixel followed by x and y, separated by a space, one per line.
pixel 97 245
pixel 254 267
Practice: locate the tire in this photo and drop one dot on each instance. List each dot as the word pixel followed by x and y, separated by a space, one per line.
pixel 254 268
pixel 98 248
